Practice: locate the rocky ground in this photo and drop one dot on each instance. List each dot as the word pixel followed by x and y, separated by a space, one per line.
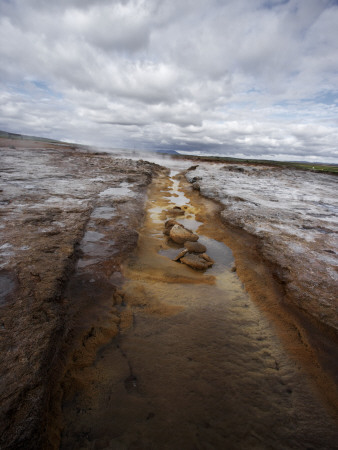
pixel 52 198
pixel 70 218
pixel 294 215
pixel 196 363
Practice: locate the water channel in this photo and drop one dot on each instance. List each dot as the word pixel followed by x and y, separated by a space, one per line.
pixel 196 364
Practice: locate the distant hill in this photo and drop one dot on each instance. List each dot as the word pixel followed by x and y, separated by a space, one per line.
pixel 167 152
pixel 6 134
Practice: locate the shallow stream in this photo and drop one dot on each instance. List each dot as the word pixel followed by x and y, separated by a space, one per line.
pixel 196 364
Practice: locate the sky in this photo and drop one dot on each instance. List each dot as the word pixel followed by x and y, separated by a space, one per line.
pixel 241 78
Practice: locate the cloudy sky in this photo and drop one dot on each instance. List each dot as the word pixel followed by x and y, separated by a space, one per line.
pixel 255 78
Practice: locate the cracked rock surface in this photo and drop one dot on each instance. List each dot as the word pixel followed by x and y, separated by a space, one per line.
pixel 294 216
pixel 57 203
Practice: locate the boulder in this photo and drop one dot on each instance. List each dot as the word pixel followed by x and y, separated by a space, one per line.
pixel 195 261
pixel 180 234
pixel 195 247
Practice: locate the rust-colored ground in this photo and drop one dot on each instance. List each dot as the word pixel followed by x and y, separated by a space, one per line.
pixel 192 362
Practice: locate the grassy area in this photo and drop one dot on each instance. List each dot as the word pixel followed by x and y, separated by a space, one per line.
pixel 313 167
pixel 317 167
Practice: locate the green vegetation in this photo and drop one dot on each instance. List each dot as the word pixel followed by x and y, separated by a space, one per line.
pixel 313 167
pixel 316 167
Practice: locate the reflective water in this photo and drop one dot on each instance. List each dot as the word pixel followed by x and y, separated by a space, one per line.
pixel 122 190
pixel 7 286
pixel 104 212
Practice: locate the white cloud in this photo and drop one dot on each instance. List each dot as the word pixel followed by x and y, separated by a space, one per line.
pixel 239 77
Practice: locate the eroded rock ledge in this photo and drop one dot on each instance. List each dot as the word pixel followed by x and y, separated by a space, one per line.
pixel 48 194
pixel 294 217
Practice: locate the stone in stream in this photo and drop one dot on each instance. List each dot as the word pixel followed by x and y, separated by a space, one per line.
pixel 170 223
pixel 168 226
pixel 195 247
pixel 180 234
pixel 233 268
pixel 196 261
pixel 175 211
pixel 207 258
pixel 181 254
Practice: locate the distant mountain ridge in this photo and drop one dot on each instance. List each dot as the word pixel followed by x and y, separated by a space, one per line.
pixel 7 134
pixel 168 152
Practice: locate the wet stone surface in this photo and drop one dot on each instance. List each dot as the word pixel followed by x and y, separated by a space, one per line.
pixel 162 356
pixel 58 204
pixel 196 364
pixel 7 286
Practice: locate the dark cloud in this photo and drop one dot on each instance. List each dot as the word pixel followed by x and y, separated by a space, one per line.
pixel 239 77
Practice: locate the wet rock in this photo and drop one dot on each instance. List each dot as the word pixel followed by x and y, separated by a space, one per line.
pixel 207 258
pixel 195 247
pixel 196 261
pixel 168 226
pixel 180 234
pixel 170 223
pixel 181 254
pixel 194 179
pixel 233 268
pixel 175 211
pixel 47 215
pixel 232 168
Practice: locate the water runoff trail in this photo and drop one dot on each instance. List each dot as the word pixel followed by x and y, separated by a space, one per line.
pixel 196 365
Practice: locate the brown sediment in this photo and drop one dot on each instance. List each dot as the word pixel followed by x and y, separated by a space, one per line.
pixel 309 341
pixel 96 313
pixel 194 363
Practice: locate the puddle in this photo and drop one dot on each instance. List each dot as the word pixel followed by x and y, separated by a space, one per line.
pixel 104 212
pixel 191 223
pixel 155 213
pixel 95 246
pixel 7 286
pixel 91 236
pixel 121 191
pixel 177 197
